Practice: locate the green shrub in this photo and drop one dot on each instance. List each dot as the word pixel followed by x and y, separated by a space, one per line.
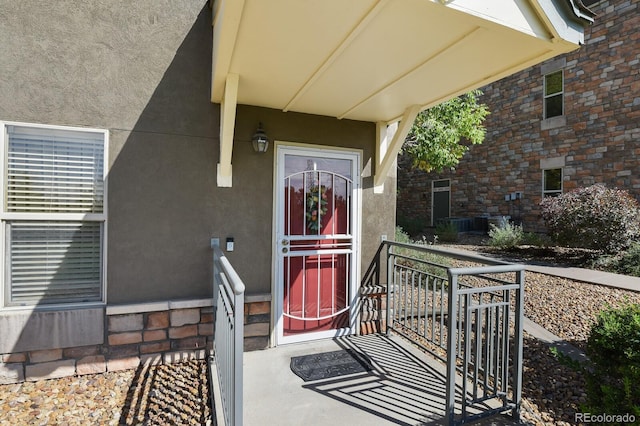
pixel 402 236
pixel 595 217
pixel 614 349
pixel 415 258
pixel 447 232
pixel 629 262
pixel 411 226
pixel 534 239
pixel 506 236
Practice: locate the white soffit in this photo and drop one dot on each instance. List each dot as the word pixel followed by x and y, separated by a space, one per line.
pixel 372 59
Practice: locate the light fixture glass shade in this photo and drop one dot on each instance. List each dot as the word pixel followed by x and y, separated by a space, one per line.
pixel 259 140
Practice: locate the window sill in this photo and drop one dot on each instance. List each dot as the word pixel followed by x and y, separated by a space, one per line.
pixel 553 122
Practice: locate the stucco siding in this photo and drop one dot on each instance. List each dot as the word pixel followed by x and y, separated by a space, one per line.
pixel 142 70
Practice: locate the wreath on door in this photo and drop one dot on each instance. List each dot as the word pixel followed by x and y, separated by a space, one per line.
pixel 316 206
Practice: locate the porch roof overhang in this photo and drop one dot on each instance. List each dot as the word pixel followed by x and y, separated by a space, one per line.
pixel 378 60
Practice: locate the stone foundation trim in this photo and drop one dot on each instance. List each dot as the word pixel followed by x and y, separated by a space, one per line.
pixel 257 322
pixel 50 370
pixel 94 364
pixel 123 363
pixel 33 330
pixel 187 304
pixel 373 290
pixel 257 297
pixel 373 309
pixel 11 373
pixel 184 316
pixel 136 308
pixel 135 336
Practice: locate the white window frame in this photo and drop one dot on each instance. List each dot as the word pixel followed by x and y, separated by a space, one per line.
pixel 6 216
pixel 545 96
pixel 554 192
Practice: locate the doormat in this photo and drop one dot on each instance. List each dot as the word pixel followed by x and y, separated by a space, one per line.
pixel 330 364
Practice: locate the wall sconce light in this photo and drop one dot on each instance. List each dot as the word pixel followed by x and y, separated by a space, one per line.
pixel 259 140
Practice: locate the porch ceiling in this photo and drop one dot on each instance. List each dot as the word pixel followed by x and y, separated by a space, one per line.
pixel 372 60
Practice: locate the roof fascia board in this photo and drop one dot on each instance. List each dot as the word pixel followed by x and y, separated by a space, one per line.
pixel 566 19
pixel 581 11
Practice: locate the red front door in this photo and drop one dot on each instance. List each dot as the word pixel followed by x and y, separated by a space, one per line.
pixel 316 243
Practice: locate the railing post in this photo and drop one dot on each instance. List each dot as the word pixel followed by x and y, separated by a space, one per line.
pixel 228 337
pixel 517 356
pixel 238 341
pixel 452 310
pixel 390 288
pixel 215 242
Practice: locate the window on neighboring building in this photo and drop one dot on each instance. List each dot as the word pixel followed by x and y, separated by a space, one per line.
pixel 53 214
pixel 553 94
pixel 551 182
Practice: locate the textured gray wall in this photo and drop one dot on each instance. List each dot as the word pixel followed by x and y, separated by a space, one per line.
pixel 142 70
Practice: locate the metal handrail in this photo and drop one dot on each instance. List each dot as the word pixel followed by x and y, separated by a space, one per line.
pixel 445 252
pixel 228 340
pixel 475 328
pixel 482 341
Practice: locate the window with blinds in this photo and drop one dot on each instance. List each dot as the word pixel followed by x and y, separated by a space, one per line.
pixel 53 215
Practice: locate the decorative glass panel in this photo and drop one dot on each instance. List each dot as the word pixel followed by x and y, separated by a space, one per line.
pixel 318 251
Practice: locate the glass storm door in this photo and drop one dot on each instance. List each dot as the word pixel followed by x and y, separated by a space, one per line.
pixel 315 243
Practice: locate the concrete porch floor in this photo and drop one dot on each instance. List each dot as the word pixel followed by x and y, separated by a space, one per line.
pixel 406 387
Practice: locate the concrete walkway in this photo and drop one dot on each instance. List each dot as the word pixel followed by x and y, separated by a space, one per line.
pixel 402 389
pixel 405 387
pixel 589 276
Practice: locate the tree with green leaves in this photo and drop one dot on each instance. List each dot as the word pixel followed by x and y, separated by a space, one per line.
pixel 434 140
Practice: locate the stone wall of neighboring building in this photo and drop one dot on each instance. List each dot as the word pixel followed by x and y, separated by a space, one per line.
pixel 596 140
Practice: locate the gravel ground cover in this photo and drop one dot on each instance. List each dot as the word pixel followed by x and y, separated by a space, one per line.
pixel 178 394
pixel 174 394
pixel 553 391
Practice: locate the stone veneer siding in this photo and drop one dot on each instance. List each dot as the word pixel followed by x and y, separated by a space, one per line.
pixel 257 322
pixel 598 138
pixel 138 337
pixel 373 309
